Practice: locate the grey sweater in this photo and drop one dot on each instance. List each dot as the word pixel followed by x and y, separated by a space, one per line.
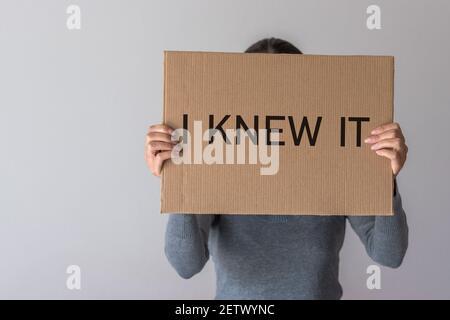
pixel 279 257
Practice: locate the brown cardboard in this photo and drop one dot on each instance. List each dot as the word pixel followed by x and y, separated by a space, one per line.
pixel 324 179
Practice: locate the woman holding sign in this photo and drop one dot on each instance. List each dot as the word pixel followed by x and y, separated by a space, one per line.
pixel 280 257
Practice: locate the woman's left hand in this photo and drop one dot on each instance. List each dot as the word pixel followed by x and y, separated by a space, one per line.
pixel 388 141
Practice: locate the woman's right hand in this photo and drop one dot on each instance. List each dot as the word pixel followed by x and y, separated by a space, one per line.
pixel 158 147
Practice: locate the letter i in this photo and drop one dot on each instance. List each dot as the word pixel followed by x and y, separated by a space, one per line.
pixel 342 131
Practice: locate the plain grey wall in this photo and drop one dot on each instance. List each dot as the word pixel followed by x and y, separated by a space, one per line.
pixel 75 107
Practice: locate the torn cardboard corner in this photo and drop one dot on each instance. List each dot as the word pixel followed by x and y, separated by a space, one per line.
pixel 306 118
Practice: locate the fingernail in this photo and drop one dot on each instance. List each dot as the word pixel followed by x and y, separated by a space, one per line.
pixel 372 147
pixel 367 140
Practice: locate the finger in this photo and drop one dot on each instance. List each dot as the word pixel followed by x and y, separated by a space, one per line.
pixel 389 134
pixel 159 161
pixel 158 146
pixel 387 153
pixel 385 127
pixel 160 128
pixel 157 136
pixel 394 143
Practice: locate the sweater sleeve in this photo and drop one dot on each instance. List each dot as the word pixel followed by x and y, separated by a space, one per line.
pixel 385 238
pixel 186 242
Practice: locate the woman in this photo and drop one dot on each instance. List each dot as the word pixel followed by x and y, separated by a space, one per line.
pixel 280 257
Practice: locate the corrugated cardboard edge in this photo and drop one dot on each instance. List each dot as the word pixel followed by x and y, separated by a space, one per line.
pixel 392 119
pixel 391 211
pixel 279 54
pixel 162 185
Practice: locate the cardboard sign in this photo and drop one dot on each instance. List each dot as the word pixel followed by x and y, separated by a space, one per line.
pixel 286 134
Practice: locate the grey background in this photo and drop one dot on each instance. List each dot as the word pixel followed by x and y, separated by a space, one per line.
pixel 75 107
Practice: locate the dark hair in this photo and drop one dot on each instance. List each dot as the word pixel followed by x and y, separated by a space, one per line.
pixel 273 45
